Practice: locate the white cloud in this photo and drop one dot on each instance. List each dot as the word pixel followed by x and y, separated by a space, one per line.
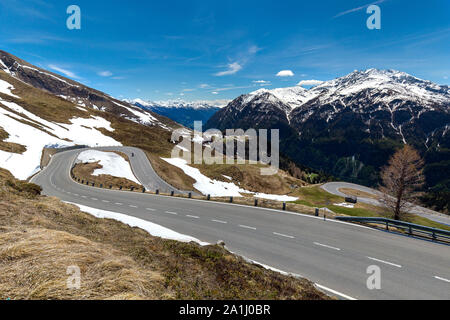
pixel 214 92
pixel 105 73
pixel 285 73
pixel 204 86
pixel 261 81
pixel 309 83
pixel 232 69
pixel 65 72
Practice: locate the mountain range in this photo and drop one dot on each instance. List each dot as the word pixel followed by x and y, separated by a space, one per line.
pixel 350 126
pixel 181 111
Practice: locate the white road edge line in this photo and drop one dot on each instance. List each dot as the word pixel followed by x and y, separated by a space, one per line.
pixel 246 227
pixel 442 279
pixel 385 262
pixel 326 246
pixel 194 217
pixel 284 235
pixel 334 292
pixel 219 221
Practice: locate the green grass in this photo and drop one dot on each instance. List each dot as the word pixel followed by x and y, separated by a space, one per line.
pixel 317 197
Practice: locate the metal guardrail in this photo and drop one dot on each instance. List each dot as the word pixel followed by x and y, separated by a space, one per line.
pixel 411 229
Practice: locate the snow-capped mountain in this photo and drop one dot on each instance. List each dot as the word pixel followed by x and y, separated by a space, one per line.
pixel 182 111
pixel 348 126
pixel 75 92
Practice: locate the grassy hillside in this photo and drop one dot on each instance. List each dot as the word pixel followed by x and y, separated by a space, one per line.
pixel 41 236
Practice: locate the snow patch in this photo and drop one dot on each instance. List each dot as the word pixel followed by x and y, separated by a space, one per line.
pixel 345 205
pixel 152 228
pixel 112 163
pixel 217 188
pixel 6 87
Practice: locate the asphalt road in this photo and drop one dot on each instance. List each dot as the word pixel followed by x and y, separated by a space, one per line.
pixel 330 253
pixel 333 188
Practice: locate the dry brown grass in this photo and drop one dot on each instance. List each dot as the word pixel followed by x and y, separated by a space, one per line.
pixel 84 171
pixel 41 236
pixel 171 174
pixel 10 146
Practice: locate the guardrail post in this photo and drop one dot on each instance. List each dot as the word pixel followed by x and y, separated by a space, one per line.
pixel 157 191
pixel 82 181
pixel 93 184
pixel 190 195
pixel 410 230
pixel 208 197
pixel 284 206
pixel 256 202
pixel 387 225
pixel 317 212
pixel 120 187
pixel 434 235
pixel 172 193
pixel 101 185
pixel 231 199
pixel 110 186
pixel 143 189
pixel 131 188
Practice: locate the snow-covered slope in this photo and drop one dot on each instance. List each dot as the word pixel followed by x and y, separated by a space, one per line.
pixel 34 133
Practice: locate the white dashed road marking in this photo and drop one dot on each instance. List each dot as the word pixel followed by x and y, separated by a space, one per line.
pixel 149 209
pixel 326 246
pixel 105 201
pixel 95 199
pixel 385 262
pixel 194 217
pixel 132 206
pixel 170 212
pixel 246 227
pixel 442 279
pixel 219 221
pixel 283 235
pixel 119 204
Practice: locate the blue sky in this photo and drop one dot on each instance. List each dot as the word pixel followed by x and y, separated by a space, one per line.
pixel 212 49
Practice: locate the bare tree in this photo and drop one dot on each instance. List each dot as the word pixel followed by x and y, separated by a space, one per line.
pixel 402 177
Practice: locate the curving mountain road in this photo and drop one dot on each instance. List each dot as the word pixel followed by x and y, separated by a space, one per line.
pixel 334 188
pixel 330 253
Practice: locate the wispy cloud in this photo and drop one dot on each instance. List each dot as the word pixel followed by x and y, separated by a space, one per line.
pixel 285 73
pixel 64 71
pixel 309 83
pixel 262 82
pixel 358 8
pixel 232 69
pixel 105 73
